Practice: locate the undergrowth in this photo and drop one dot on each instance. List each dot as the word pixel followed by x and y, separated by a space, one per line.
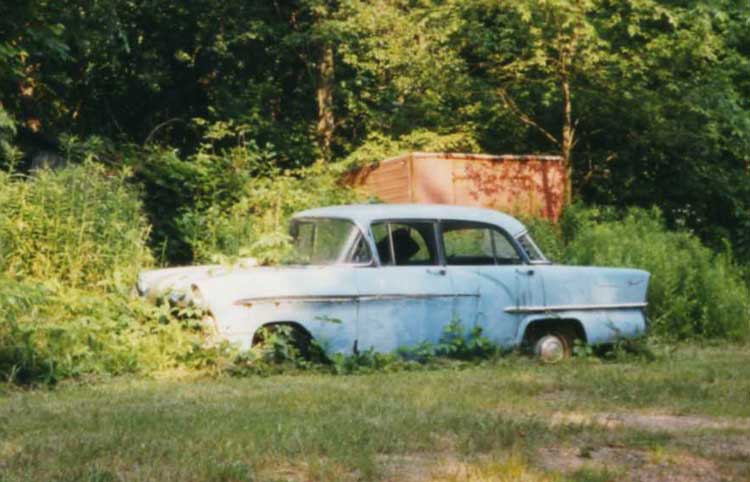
pixel 50 332
pixel 82 226
pixel 72 242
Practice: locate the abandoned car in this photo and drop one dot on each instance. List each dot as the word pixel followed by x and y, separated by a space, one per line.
pixel 388 276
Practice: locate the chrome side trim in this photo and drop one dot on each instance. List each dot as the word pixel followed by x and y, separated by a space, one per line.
pixel 343 299
pixel 543 309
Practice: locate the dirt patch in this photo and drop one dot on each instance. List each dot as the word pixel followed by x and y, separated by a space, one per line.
pixel 411 468
pixel 449 468
pixel 632 464
pixel 655 422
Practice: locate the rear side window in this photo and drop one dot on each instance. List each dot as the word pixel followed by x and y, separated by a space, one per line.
pixel 469 243
pixel 405 243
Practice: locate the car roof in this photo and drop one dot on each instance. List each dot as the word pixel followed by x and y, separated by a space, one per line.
pixel 364 214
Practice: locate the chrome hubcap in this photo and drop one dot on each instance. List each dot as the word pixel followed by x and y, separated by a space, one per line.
pixel 550 349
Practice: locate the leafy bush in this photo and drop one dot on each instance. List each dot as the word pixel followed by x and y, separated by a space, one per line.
pixel 256 225
pixel 180 188
pixel 48 332
pixel 71 245
pixel 693 292
pixel 82 226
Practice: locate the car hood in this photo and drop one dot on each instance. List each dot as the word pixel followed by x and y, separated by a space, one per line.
pixel 176 282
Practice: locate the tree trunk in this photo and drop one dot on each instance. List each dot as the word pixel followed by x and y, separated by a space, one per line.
pixel 568 136
pixel 326 124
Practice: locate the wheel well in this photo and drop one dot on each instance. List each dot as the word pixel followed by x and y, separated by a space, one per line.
pixel 298 329
pixel 538 328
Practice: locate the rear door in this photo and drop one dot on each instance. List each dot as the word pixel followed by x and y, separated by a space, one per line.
pixel 408 299
pixel 489 278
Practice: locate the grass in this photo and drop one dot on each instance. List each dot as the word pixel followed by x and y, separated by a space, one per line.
pixel 490 422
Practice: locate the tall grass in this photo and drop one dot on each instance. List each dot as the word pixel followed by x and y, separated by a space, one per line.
pixel 82 226
pixel 71 245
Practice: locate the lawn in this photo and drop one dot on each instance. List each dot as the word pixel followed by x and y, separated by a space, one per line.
pixel 685 415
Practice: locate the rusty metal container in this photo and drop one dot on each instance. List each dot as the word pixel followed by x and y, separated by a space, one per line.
pixel 530 184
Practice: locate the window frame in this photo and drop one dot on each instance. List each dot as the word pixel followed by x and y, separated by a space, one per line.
pixel 544 260
pixel 521 253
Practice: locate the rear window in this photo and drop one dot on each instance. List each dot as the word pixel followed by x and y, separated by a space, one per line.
pixel 468 243
pixel 530 248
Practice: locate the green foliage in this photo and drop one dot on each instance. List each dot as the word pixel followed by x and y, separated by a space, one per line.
pixel 49 332
pixel 9 153
pixel 455 343
pixel 657 91
pixel 379 146
pixel 693 291
pixel 215 107
pixel 82 226
pixel 548 236
pixel 180 191
pixel 256 224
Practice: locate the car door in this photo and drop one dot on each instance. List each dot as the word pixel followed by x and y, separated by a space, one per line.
pixel 408 298
pixel 489 278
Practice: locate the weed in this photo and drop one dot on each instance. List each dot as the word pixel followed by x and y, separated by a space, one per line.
pixel 588 474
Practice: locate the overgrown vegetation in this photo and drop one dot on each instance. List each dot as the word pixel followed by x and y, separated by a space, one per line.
pixel 192 131
pixel 73 241
pixel 694 292
pixel 71 245
pixel 256 223
pixel 49 332
pixel 81 226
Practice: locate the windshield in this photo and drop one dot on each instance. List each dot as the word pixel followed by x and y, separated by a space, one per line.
pixel 322 241
pixel 530 248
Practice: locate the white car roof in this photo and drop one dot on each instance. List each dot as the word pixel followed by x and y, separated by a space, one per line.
pixel 364 214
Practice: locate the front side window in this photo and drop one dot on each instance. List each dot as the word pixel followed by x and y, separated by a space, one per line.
pixel 405 243
pixel 324 241
pixel 468 243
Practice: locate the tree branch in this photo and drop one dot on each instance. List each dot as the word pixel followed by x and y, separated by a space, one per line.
pixel 523 117
pixel 158 127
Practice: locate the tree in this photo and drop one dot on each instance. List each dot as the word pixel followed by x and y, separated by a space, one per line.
pixel 560 46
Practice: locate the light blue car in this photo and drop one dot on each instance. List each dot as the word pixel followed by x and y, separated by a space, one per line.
pixel 388 276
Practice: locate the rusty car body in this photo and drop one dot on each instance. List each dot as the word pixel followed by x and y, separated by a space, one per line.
pixel 388 276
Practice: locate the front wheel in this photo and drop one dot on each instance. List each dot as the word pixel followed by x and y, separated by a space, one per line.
pixel 552 348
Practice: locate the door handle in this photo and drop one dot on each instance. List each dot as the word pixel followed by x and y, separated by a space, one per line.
pixel 527 272
pixel 436 272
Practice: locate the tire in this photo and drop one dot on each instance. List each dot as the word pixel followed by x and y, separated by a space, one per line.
pixel 553 347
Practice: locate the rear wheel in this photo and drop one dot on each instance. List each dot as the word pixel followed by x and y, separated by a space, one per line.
pixel 553 347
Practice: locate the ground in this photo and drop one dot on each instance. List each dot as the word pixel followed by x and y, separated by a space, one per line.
pixel 683 417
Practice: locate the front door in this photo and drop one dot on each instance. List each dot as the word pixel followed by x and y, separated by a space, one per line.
pixel 408 299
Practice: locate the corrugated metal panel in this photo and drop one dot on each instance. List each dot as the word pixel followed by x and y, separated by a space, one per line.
pixel 389 181
pixel 525 184
pixel 433 179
